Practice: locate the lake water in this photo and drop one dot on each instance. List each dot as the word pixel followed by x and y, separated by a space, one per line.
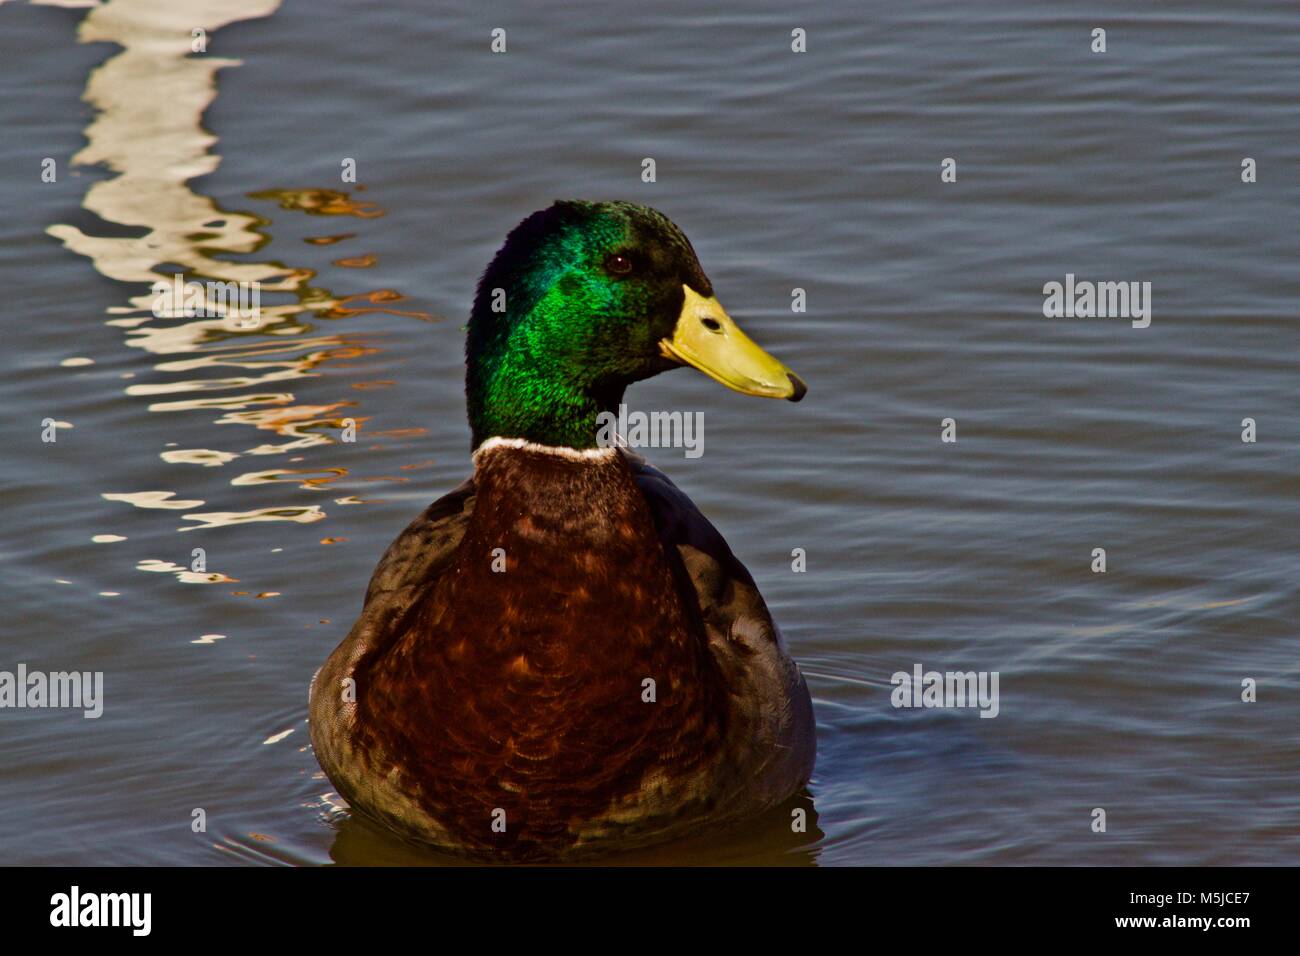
pixel 821 171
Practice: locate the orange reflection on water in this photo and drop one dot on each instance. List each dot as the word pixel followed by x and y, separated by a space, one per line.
pixel 400 432
pixel 320 202
pixel 293 422
pixel 357 262
pixel 340 309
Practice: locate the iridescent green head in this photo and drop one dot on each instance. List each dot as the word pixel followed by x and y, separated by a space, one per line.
pixel 582 300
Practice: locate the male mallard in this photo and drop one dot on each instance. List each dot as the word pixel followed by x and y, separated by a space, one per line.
pixel 495 697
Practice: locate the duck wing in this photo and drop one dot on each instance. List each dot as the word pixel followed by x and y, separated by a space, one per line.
pixel 774 721
pixel 426 543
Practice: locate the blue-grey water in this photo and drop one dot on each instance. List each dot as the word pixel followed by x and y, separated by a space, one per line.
pixel 819 170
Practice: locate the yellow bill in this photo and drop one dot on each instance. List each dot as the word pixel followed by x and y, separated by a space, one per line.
pixel 706 338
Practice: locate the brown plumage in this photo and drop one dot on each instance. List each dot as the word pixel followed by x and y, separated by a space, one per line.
pixel 481 692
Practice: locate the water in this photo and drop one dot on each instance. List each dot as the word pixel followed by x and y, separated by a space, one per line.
pixel 820 171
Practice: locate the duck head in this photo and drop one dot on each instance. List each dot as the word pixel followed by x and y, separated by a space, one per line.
pixel 584 299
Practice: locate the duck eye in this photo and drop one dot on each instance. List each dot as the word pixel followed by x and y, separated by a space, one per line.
pixel 619 265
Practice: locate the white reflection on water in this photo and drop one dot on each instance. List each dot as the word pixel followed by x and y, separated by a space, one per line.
pixel 147 131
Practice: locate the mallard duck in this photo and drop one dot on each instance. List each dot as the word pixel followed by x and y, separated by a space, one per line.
pixel 562 655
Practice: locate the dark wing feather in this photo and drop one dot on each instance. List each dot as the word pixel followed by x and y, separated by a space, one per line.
pixel 773 725
pixel 724 587
pixel 415 558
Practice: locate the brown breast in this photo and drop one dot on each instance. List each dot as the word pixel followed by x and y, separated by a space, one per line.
pixel 524 690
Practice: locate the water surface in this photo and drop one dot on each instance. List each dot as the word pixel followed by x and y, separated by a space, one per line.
pixel 819 171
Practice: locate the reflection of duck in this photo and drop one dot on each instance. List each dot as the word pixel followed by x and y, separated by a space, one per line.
pixel 495 697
